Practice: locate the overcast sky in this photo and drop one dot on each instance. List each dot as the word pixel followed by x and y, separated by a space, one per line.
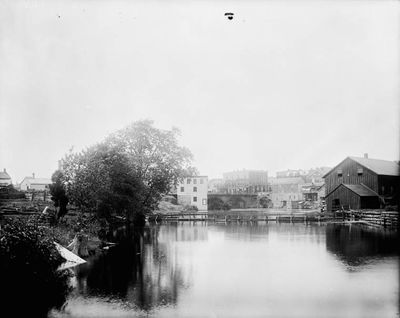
pixel 285 84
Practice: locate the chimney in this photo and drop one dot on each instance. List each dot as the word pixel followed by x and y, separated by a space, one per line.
pixel 33 175
pixel 4 170
pixel 366 156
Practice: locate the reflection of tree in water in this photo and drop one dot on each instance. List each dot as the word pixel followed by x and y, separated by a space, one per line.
pixel 357 245
pixel 139 270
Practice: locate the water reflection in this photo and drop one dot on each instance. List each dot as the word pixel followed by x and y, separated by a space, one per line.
pixel 240 270
pixel 142 269
pixel 357 244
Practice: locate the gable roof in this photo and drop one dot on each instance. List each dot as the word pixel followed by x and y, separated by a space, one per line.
pixel 32 180
pixel 4 175
pixel 379 166
pixel 359 189
pixel 41 181
pixel 382 167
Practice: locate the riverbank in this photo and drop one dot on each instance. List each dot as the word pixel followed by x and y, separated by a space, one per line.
pixel 64 231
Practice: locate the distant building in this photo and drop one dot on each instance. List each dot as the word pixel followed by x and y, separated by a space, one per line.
pixel 246 181
pixel 37 184
pixel 314 194
pixel 286 191
pixel 193 191
pixel 315 175
pixel 362 183
pixel 290 173
pixel 5 179
pixel 216 185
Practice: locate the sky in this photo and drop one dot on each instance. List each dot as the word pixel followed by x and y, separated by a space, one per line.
pixel 283 85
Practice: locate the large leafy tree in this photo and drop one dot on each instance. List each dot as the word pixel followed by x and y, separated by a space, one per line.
pixel 128 172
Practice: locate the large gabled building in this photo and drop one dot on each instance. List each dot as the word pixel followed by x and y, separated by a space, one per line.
pixel 362 183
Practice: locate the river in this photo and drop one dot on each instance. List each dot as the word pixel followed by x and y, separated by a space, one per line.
pixel 240 270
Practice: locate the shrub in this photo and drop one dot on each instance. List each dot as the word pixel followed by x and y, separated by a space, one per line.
pixel 29 278
pixel 190 208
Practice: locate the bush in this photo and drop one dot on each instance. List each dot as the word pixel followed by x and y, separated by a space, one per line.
pixel 190 208
pixel 29 278
pixel 215 203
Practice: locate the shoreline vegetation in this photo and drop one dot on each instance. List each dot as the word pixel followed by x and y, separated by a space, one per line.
pixel 120 179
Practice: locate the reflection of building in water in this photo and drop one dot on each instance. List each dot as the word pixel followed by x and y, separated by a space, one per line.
pixel 292 231
pixel 184 232
pixel 356 244
pixel 193 191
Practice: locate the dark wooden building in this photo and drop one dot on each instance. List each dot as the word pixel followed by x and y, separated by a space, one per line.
pixel 362 183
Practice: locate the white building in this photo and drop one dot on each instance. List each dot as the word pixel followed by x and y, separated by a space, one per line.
pixel 193 191
pixel 32 183
pixel 5 179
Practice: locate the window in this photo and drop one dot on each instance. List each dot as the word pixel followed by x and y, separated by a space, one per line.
pixel 201 181
pixel 340 173
pixel 204 202
pixel 182 189
pixel 188 181
pixel 359 171
pixel 194 199
pixel 194 181
pixel 194 189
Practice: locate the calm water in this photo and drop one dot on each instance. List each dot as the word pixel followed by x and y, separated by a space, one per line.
pixel 274 270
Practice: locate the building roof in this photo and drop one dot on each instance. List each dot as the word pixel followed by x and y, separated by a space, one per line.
pixel 32 180
pixel 379 166
pixel 382 167
pixel 4 175
pixel 41 181
pixel 359 189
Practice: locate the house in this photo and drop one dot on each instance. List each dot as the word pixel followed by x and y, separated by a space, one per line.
pixel 245 181
pixel 193 191
pixel 5 179
pixel 285 191
pixel 362 183
pixel 313 195
pixel 37 184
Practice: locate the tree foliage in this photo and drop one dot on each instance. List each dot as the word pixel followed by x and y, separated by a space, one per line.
pixel 28 270
pixel 128 172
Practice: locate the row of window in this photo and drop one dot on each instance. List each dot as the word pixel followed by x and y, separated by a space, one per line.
pixel 188 181
pixel 204 201
pixel 183 189
pixel 359 172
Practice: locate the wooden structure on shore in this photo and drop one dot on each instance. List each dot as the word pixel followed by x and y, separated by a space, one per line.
pixel 227 218
pixel 369 217
pixel 373 217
